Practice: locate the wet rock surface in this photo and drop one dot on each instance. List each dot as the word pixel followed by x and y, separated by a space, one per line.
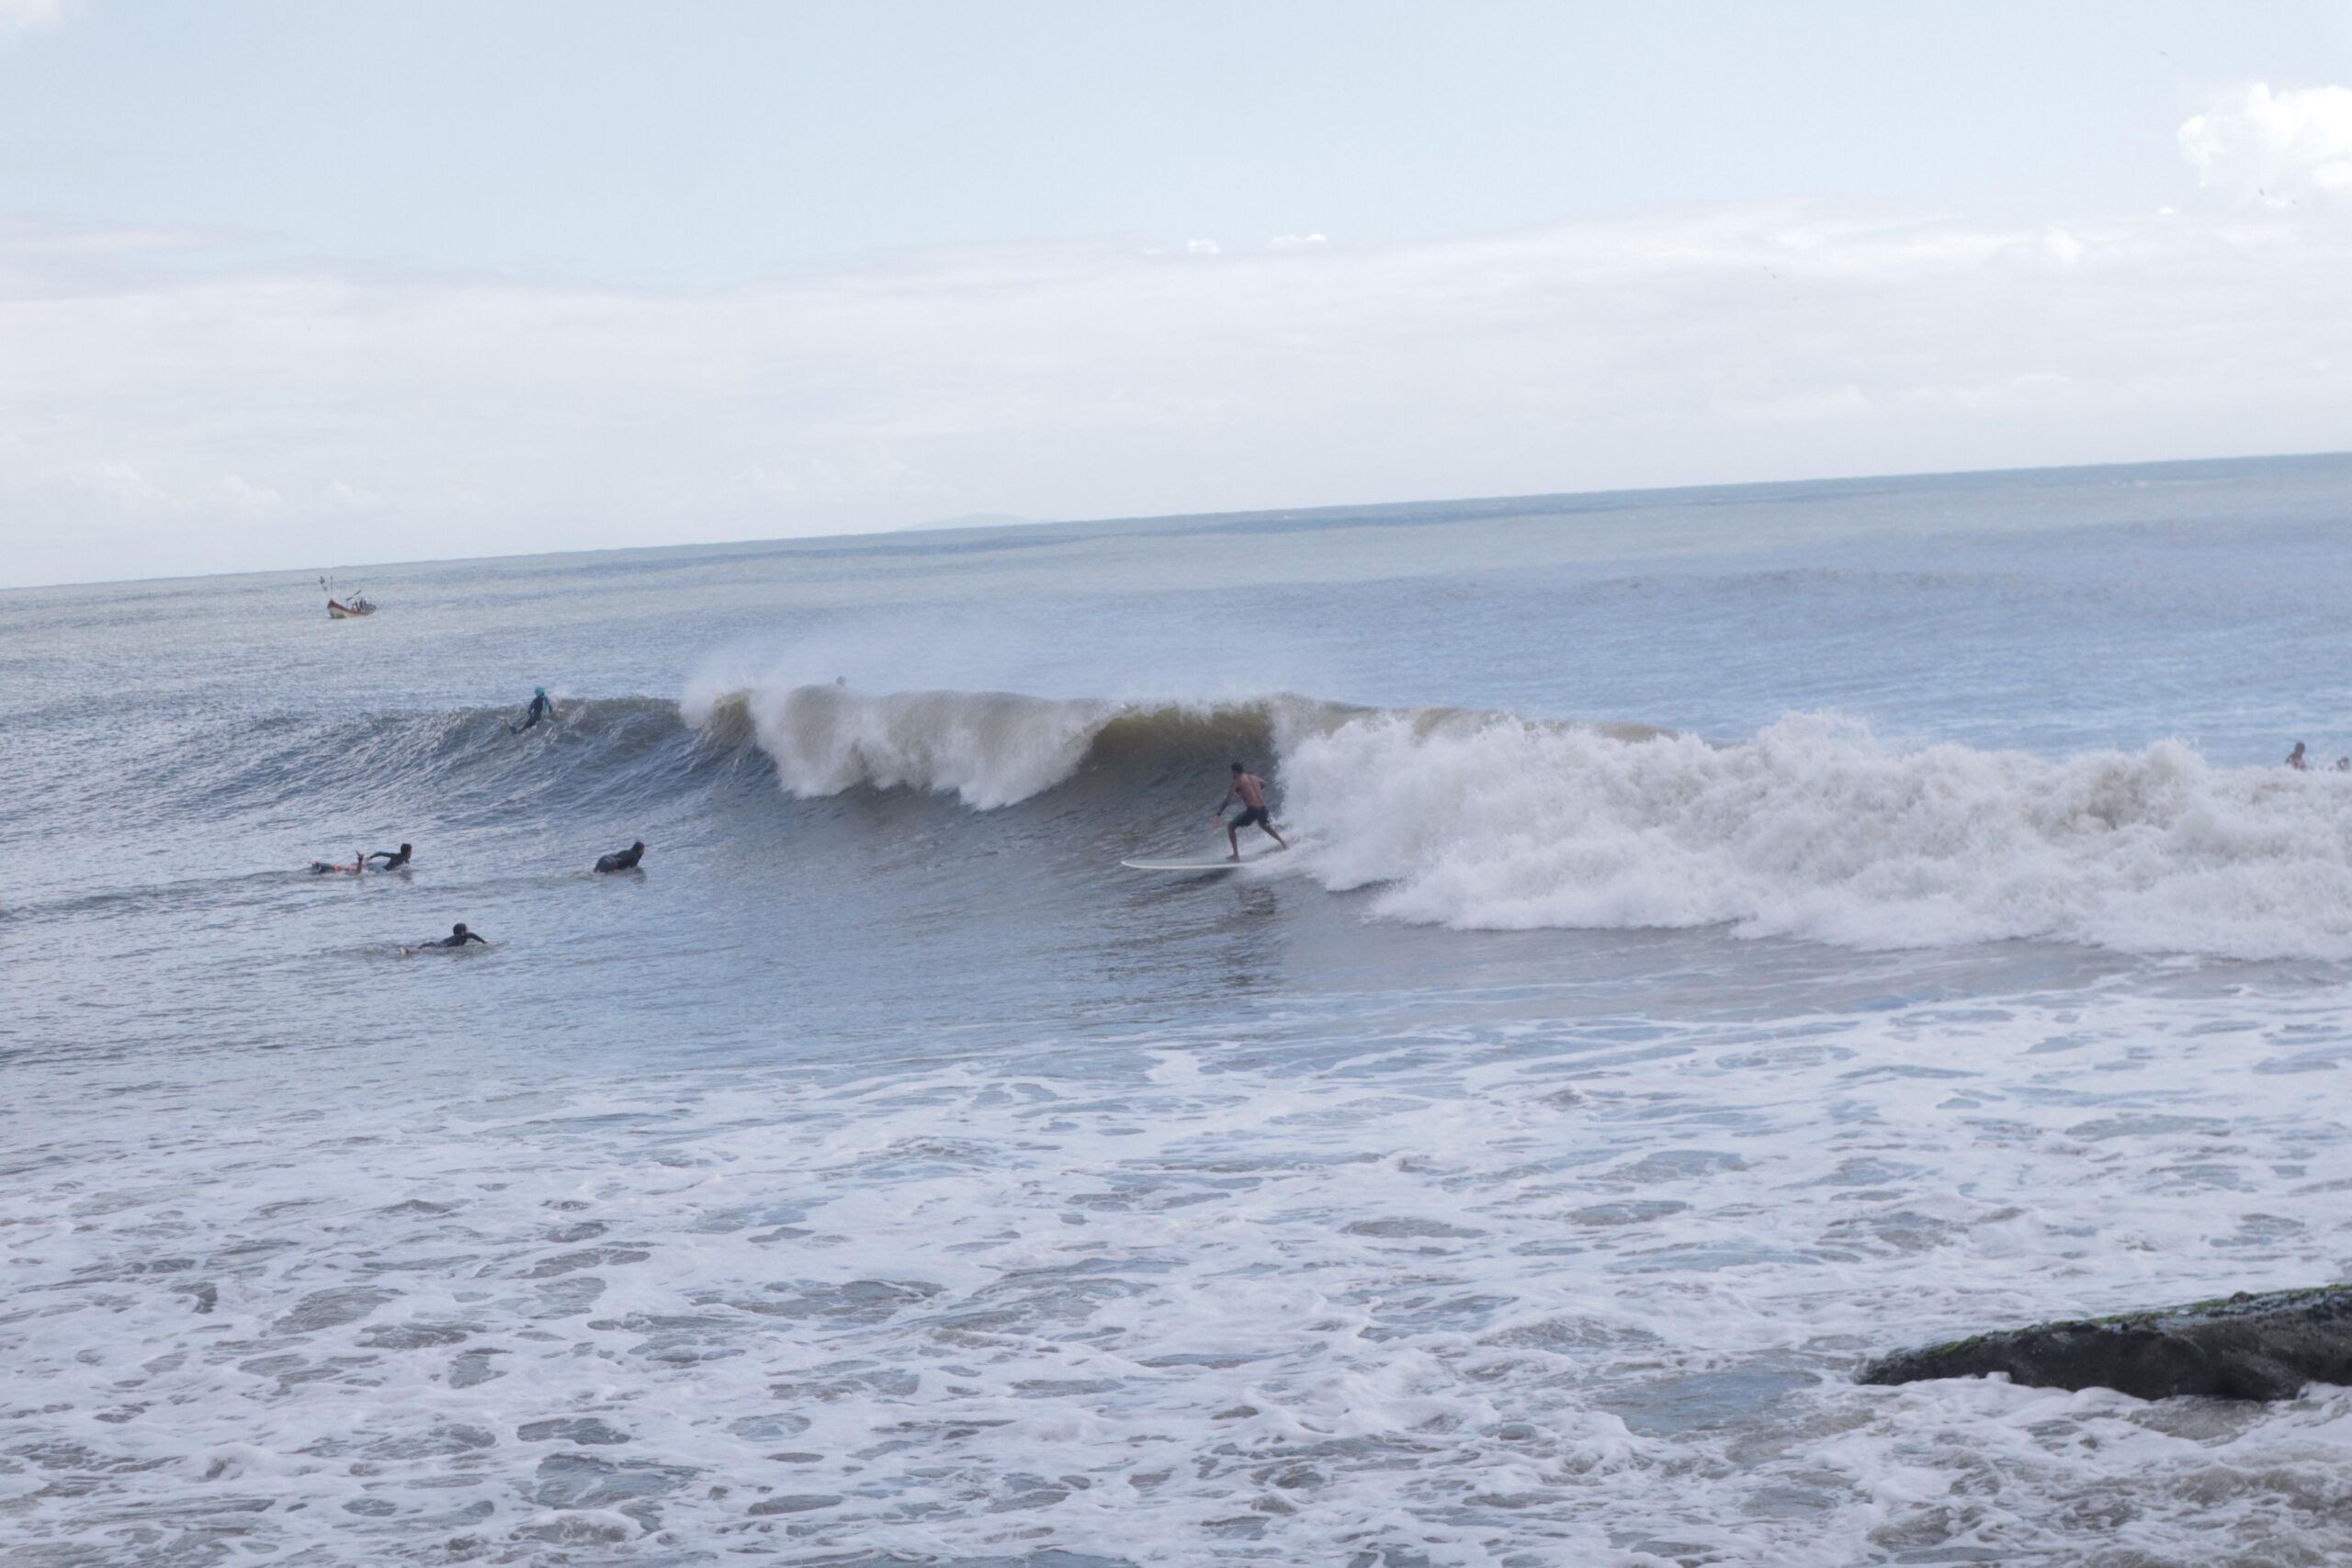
pixel 2242 1347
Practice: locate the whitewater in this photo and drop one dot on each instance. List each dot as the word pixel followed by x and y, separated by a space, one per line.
pixel 1810 828
pixel 1728 935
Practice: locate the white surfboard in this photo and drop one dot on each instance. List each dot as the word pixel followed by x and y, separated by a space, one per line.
pixel 1192 866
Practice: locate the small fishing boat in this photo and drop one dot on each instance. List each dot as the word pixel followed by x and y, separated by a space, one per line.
pixel 339 611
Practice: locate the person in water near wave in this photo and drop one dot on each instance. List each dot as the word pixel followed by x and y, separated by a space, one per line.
pixel 2295 757
pixel 392 861
pixel 622 860
pixel 540 708
pixel 1252 791
pixel 458 936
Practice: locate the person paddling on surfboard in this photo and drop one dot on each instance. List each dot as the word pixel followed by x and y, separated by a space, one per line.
pixel 622 860
pixel 392 861
pixel 1252 791
pixel 458 936
pixel 540 708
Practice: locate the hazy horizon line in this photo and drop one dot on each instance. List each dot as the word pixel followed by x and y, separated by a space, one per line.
pixel 881 536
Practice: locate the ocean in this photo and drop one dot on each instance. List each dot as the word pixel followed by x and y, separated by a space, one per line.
pixel 1727 934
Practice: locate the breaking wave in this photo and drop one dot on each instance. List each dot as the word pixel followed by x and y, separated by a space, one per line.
pixel 993 750
pixel 1814 828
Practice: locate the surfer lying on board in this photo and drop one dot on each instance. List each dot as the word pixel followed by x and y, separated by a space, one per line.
pixel 392 861
pixel 458 936
pixel 622 860
pixel 358 863
pixel 1252 791
pixel 540 708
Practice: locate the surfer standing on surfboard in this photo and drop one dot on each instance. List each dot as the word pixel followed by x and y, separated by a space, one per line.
pixel 1252 791
pixel 540 708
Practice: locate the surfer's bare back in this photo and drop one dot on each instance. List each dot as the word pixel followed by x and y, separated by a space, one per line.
pixel 1252 791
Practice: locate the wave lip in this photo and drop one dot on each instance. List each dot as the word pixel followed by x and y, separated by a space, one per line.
pixel 993 750
pixel 1813 828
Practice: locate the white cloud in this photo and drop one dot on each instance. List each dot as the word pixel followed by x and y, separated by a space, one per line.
pixel 1081 382
pixel 24 16
pixel 1298 242
pixel 1849 401
pixel 2031 389
pixel 2274 148
pixel 1202 248
pixel 239 494
pixel 121 485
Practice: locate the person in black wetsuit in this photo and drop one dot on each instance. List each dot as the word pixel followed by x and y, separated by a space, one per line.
pixel 458 936
pixel 622 860
pixel 392 861
pixel 540 708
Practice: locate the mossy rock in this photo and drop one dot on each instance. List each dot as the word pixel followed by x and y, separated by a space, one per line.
pixel 2241 1346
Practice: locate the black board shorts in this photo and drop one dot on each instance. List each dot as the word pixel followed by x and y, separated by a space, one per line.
pixel 1255 815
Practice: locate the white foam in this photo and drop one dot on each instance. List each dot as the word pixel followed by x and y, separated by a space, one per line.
pixel 1815 829
pixel 987 748
pixel 1463 1300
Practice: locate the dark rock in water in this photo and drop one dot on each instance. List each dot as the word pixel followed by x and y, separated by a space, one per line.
pixel 2246 1346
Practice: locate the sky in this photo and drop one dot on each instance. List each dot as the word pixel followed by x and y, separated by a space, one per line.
pixel 289 286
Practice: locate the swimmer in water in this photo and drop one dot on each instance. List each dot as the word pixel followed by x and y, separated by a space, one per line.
pixel 392 861
pixel 622 860
pixel 540 708
pixel 2295 757
pixel 458 936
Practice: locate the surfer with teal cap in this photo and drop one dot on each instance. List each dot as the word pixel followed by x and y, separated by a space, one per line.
pixel 540 708
pixel 1252 791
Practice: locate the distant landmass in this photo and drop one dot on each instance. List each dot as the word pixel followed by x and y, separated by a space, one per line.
pixel 969 519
